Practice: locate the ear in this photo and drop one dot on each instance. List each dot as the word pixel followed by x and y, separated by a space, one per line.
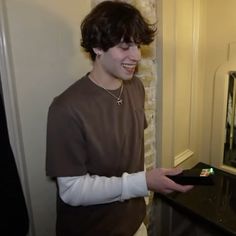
pixel 98 51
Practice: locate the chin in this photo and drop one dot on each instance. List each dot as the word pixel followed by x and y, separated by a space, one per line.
pixel 127 77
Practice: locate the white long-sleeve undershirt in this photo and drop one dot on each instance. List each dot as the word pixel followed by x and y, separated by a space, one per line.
pixel 93 189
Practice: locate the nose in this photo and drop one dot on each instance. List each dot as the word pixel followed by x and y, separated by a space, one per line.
pixel 135 53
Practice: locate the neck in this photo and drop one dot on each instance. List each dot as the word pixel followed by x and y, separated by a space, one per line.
pixel 104 81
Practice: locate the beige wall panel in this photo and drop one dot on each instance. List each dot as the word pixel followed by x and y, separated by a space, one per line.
pixel 183 77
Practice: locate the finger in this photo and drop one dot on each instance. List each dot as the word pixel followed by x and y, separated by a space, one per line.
pixel 172 171
pixel 187 188
pixel 183 188
pixel 167 191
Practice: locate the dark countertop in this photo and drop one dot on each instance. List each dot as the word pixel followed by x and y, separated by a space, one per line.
pixel 212 206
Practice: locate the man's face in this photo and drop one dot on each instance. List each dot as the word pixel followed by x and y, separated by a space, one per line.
pixel 121 60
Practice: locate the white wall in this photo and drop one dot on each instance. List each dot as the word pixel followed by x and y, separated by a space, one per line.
pixel 44 36
pixel 218 26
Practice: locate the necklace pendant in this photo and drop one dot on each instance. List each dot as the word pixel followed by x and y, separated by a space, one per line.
pixel 119 101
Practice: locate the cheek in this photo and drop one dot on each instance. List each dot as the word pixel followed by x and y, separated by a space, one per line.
pixel 116 56
pixel 112 61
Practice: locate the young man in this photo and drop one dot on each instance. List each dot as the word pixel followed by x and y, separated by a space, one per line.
pixel 96 128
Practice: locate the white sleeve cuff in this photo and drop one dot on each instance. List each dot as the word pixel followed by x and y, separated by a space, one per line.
pixel 134 185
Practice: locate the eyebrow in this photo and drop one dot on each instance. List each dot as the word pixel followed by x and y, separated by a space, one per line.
pixel 128 43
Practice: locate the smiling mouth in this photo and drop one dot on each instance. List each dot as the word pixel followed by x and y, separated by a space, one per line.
pixel 129 67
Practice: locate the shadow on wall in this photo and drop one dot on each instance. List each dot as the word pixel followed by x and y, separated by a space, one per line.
pixel 45 52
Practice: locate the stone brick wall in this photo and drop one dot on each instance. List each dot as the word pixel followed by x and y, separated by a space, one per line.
pixel 148 74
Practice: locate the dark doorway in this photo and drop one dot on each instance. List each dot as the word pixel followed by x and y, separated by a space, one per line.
pixel 14 215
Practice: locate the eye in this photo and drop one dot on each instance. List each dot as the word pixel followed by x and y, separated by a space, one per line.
pixel 124 46
pixel 127 46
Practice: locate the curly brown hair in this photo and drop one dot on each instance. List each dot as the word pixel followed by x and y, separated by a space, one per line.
pixel 112 21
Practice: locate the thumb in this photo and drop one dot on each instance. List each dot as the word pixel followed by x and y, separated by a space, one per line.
pixel 173 171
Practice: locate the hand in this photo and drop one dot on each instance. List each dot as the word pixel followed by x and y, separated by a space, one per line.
pixel 157 181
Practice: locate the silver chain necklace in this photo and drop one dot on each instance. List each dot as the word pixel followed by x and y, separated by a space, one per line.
pixel 119 101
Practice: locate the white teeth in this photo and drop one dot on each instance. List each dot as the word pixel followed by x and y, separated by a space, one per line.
pixel 129 66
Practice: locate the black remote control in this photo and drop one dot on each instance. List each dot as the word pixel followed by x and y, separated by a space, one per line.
pixel 194 177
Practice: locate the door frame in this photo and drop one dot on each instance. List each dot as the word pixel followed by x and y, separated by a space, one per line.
pixel 11 108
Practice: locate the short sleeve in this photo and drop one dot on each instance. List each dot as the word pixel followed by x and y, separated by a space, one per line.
pixel 65 150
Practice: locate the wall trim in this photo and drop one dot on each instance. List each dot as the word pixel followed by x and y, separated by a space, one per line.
pixel 11 108
pixel 194 75
pixel 180 158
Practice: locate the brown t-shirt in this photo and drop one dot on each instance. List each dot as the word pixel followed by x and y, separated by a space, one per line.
pixel 89 133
